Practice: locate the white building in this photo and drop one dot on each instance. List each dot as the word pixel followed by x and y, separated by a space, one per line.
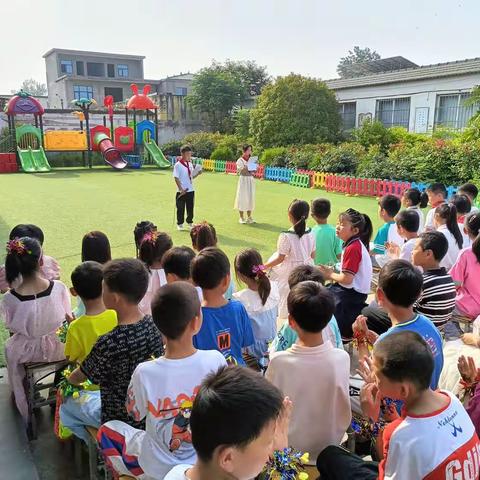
pixel 400 93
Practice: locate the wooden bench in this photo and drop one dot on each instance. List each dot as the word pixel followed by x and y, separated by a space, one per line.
pixel 35 374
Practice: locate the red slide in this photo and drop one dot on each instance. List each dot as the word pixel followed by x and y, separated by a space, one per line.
pixel 110 153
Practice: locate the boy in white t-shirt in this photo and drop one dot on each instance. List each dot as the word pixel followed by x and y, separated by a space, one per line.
pixel 238 420
pixel 163 391
pixel 433 438
pixel 408 223
pixel 312 373
pixel 184 173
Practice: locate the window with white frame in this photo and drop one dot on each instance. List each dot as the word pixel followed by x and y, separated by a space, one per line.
pixel 452 112
pixel 82 91
pixel 181 91
pixel 348 113
pixel 122 70
pixel 66 66
pixel 394 112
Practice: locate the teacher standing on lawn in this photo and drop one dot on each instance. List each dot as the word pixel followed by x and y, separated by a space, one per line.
pixel 245 199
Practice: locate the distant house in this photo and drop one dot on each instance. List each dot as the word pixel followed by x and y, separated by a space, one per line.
pixel 398 92
pixel 73 74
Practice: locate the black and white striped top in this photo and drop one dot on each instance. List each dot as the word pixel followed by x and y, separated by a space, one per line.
pixel 437 300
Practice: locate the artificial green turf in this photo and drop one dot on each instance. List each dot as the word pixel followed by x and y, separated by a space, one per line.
pixel 68 203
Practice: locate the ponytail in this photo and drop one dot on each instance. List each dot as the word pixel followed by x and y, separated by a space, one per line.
pixel 367 231
pixel 23 258
pixel 448 212
pixel 203 235
pixel 140 230
pixel 300 227
pixel 299 211
pixel 423 200
pixel 472 224
pixel 249 264
pixel 153 247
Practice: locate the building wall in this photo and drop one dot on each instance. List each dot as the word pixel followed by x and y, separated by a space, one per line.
pixel 170 85
pixel 422 93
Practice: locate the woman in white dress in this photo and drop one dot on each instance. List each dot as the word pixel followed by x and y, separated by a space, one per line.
pixel 295 247
pixel 245 199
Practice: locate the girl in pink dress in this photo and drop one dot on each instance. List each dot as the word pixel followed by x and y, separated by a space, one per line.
pixel 49 267
pixel 33 310
pixel 152 248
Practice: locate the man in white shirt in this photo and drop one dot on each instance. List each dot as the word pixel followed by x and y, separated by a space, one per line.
pixel 184 173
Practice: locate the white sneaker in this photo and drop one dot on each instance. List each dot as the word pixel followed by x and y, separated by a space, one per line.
pixel 250 220
pixel 180 227
pixel 242 221
pixel 189 226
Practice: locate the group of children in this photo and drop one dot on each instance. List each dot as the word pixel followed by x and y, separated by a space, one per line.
pixel 187 379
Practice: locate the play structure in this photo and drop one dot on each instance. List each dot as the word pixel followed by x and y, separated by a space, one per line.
pixel 130 145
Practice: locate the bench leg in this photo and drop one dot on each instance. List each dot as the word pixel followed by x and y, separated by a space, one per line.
pixel 92 459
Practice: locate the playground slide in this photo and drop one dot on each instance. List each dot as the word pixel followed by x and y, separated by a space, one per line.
pixel 110 154
pixel 33 160
pixel 158 157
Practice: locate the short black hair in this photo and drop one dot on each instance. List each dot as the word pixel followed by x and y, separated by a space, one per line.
pixel 96 247
pixel 210 267
pixel 304 273
pixel 321 208
pixel 178 260
pixel 462 203
pixel 185 148
pixel 246 146
pixel 174 307
pixel 438 188
pixel 391 204
pixel 87 280
pixel 470 189
pixel 436 242
pixel 409 220
pixel 405 356
pixel 311 305
pixel 127 277
pixel 232 408
pixel 27 230
pixel 401 283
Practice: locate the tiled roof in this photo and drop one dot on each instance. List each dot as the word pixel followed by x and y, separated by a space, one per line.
pixel 448 69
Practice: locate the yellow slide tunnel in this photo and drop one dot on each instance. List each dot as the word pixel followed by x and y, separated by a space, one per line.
pixel 64 140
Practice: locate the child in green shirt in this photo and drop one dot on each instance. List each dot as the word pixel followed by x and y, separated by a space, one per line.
pixel 328 246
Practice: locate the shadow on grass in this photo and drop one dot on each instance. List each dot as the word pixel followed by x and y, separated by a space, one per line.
pixel 265 226
pixel 236 242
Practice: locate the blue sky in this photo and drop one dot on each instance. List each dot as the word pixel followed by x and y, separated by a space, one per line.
pixel 302 36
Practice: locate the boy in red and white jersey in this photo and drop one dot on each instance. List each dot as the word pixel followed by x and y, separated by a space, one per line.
pixel 433 439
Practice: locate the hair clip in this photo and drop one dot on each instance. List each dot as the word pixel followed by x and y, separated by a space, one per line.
pixel 17 246
pixel 150 237
pixel 258 270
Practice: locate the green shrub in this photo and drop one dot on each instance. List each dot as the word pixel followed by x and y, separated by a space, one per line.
pixel 233 144
pixel 343 158
pixel 373 133
pixel 223 153
pixel 275 157
pixel 374 164
pixel 203 143
pixel 172 147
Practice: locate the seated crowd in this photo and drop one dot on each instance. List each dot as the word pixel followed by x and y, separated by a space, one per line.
pixel 186 378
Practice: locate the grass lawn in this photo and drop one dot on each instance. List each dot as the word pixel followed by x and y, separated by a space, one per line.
pixel 68 203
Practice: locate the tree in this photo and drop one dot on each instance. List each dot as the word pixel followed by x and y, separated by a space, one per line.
pixel 346 66
pixel 295 110
pixel 217 89
pixel 33 87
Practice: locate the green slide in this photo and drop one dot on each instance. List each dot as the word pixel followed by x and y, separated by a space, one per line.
pixel 158 157
pixel 33 160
